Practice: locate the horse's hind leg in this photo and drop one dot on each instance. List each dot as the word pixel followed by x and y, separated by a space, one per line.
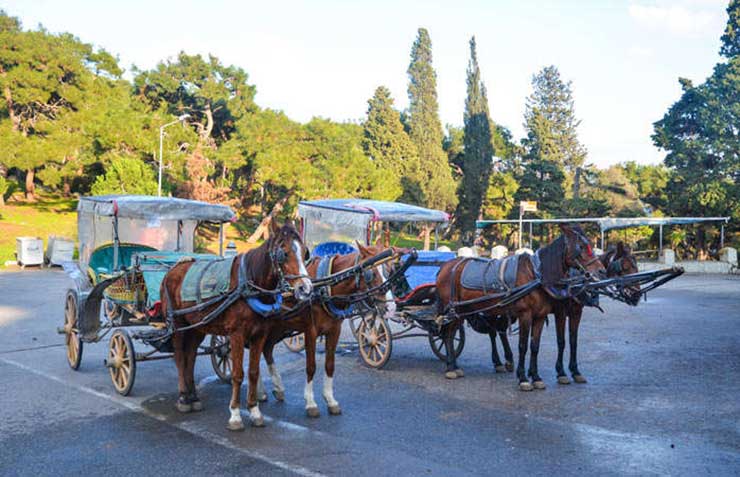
pixel 448 335
pixel 237 376
pixel 560 317
pixel 278 390
pixel 525 321
pixel 192 342
pixel 537 381
pixel 255 351
pixel 181 359
pixel 502 325
pixel 332 338
pixel 574 322
pixel 494 352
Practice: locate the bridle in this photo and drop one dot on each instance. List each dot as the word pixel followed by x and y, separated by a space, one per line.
pixel 278 257
pixel 576 256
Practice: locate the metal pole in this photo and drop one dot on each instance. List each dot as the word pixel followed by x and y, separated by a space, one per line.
pixel 521 213
pixel 159 185
pixel 221 239
pixel 602 240
pixel 530 235
pixel 722 236
pixel 660 241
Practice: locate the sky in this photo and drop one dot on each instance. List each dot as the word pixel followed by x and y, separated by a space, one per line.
pixel 326 57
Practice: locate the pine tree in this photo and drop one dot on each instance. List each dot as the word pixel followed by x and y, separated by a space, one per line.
pixel 731 38
pixel 551 147
pixel 431 182
pixel 386 142
pixel 478 153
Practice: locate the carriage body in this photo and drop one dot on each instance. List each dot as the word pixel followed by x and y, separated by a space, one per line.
pixel 127 243
pixel 332 226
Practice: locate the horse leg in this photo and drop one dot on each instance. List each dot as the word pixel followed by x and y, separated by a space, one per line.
pixel 494 353
pixel 330 345
pixel 560 316
pixel 261 392
pixel 192 342
pixel 255 351
pixel 574 322
pixel 537 381
pixel 278 390
pixel 237 376
pixel 448 336
pixel 503 333
pixel 312 409
pixel 525 321
pixel 178 343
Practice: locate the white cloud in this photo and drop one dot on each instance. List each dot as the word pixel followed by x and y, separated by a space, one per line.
pixel 678 19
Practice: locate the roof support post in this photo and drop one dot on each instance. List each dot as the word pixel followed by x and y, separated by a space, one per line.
pixel 530 235
pixel 602 240
pixel 221 239
pixel 660 241
pixel 722 236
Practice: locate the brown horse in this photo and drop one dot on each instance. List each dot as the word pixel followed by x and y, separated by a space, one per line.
pixel 321 320
pixel 270 268
pixel 617 261
pixel 571 250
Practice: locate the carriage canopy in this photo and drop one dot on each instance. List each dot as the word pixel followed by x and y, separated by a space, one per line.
pixel 347 220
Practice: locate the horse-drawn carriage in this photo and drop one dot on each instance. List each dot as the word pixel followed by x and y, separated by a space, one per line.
pixel 126 246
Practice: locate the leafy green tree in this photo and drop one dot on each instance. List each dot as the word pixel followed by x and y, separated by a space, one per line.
pixel 386 142
pixel 126 175
pixel 478 149
pixel 731 38
pixel 430 183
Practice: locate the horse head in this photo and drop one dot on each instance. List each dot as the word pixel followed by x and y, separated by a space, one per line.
pixel 376 276
pixel 288 255
pixel 620 261
pixel 579 253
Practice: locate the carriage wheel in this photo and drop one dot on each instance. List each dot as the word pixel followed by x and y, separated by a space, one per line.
pixel 354 324
pixel 71 336
pixel 221 357
pixel 295 343
pixel 111 310
pixel 438 344
pixel 121 362
pixel 375 341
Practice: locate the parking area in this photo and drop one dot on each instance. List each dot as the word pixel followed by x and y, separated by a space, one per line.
pixel 662 398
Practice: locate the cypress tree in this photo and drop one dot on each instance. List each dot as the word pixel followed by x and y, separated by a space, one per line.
pixel 430 182
pixel 478 152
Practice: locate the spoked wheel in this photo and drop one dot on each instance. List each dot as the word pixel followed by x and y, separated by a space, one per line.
pixel 71 336
pixel 295 343
pixel 221 357
pixel 438 344
pixel 111 309
pixel 354 324
pixel 375 341
pixel 121 362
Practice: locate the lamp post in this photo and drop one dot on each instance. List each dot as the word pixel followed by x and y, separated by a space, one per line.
pixel 180 118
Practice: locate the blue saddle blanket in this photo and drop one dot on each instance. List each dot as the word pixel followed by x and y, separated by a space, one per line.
pixel 206 279
pixel 490 275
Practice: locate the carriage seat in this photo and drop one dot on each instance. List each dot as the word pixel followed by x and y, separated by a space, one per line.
pixel 327 249
pixel 100 263
pixel 419 283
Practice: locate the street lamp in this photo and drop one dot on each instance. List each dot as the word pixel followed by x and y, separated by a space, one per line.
pixel 180 118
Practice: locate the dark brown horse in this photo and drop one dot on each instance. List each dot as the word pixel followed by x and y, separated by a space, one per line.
pixel 617 261
pixel 321 319
pixel 277 262
pixel 571 250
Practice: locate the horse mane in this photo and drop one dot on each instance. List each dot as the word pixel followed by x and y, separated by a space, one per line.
pixel 552 257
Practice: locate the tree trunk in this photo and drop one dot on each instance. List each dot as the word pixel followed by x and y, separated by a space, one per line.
pixel 426 237
pixel 577 183
pixel 30 187
pixel 67 188
pixel 263 230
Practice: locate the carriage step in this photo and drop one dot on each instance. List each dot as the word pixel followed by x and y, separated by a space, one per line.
pixel 159 338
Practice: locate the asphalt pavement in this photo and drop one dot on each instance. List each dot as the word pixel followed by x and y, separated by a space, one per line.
pixel 662 398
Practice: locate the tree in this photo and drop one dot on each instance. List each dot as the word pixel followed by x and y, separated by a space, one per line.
pixel 126 175
pixel 731 38
pixel 478 149
pixel 429 183
pixel 386 142
pixel 551 147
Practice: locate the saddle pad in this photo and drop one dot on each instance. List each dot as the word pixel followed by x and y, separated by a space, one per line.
pixel 206 279
pixel 490 275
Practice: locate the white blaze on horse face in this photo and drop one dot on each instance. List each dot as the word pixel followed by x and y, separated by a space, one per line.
pixel 305 280
pixel 308 395
pixel 277 381
pixel 236 416
pixel 329 391
pixel 390 303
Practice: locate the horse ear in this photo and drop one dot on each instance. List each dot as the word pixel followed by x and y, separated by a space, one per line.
pixel 274 228
pixel 620 249
pixel 567 229
pixel 363 250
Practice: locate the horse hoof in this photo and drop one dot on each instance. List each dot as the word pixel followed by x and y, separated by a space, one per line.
pixel 235 426
pixel 460 373
pixel 501 368
pixel 197 406
pixel 312 412
pixel 262 397
pixel 335 410
pixel 184 407
pixel 509 367
pixel 563 380
pixel 539 385
pixel 525 386
pixel 579 378
pixel 259 422
pixel 279 395
pixel 451 375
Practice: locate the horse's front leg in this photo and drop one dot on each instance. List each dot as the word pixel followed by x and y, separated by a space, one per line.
pixel 525 321
pixel 560 317
pixel 278 390
pixel 237 376
pixel 537 381
pixel 574 321
pixel 448 335
pixel 312 409
pixel 255 351
pixel 332 338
